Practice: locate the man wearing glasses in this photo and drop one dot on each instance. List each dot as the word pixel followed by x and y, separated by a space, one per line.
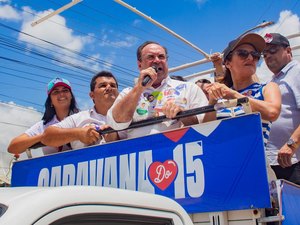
pixel 169 96
pixel 283 146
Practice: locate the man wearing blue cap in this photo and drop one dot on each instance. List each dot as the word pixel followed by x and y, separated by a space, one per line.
pixel 284 142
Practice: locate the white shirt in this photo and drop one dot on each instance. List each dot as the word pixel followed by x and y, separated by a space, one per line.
pixel 289 118
pixel 185 94
pixel 39 128
pixel 82 119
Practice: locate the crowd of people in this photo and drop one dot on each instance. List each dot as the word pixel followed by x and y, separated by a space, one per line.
pixel 156 93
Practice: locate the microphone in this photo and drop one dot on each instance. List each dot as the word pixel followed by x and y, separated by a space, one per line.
pixel 147 78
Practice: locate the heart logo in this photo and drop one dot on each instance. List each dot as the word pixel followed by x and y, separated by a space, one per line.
pixel 163 174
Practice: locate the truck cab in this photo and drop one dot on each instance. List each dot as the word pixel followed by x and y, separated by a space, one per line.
pixel 71 205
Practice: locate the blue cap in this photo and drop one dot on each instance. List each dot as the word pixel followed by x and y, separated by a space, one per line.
pixel 57 82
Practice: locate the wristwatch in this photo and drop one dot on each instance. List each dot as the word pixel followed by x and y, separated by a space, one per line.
pixel 291 142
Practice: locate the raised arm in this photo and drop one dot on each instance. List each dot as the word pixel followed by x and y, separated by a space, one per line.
pixel 123 110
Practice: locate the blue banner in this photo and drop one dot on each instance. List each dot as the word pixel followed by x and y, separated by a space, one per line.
pixel 290 199
pixel 215 166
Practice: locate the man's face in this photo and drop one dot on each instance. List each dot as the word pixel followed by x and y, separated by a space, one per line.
pixel 276 57
pixel 105 91
pixel 154 54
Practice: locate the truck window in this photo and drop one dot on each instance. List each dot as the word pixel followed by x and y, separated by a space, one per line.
pixel 111 219
pixel 3 208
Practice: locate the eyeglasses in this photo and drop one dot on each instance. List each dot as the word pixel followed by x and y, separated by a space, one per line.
pixel 57 92
pixel 244 54
pixel 273 50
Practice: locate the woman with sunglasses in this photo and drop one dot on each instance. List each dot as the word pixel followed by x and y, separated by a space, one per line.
pixel 240 59
pixel 59 104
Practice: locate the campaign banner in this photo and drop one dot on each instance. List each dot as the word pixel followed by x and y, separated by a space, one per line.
pixel 215 166
pixel 290 202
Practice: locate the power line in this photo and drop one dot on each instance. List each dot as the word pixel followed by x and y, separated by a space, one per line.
pixel 119 68
pixel 114 67
pixel 264 12
pixel 35 75
pixel 187 56
pixel 21 100
pixel 14 47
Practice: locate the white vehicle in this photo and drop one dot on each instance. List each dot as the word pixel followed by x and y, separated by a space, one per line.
pixel 71 205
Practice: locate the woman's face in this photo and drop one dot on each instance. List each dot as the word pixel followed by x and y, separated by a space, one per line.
pixel 61 97
pixel 244 61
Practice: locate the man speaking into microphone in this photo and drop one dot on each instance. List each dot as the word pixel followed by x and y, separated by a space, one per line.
pixel 155 94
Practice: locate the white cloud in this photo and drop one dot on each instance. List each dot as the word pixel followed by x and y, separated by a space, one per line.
pixel 137 23
pixel 126 42
pixel 200 3
pixel 8 12
pixel 53 30
pixel 287 24
pixel 14 121
pixel 97 66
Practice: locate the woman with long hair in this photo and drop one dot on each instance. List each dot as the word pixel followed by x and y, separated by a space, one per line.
pixel 240 59
pixel 59 104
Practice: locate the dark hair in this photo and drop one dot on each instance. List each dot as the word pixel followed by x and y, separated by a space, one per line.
pixel 204 81
pixel 140 48
pixel 175 77
pixel 101 74
pixel 226 79
pixel 50 110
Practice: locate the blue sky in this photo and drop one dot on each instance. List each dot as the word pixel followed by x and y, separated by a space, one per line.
pixel 96 35
pixel 106 32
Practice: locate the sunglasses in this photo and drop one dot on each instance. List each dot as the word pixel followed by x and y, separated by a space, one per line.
pixel 244 54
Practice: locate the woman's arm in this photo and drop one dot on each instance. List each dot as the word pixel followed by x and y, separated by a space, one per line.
pixel 21 143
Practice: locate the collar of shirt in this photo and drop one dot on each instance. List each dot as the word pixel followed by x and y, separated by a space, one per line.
pixel 55 119
pixel 285 69
pixel 94 114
